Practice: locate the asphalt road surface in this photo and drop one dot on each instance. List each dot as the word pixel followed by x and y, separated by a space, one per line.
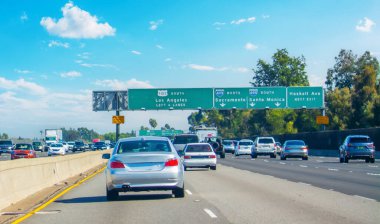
pixel 355 178
pixel 232 195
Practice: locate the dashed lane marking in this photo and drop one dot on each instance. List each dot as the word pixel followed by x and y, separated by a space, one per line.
pixel 373 166
pixel 333 169
pixel 373 174
pixel 210 213
pixel 319 161
pixel 266 160
pixel 188 192
pixel 303 166
pixel 282 163
pixel 350 171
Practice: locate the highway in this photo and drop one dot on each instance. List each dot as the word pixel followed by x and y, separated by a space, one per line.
pixel 302 194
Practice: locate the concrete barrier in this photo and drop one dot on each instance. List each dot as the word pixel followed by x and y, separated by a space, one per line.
pixel 24 177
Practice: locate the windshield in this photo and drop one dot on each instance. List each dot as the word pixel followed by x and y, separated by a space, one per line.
pixel 51 138
pixel 56 145
pixel 245 143
pixel 360 140
pixel 295 143
pixel 266 141
pixel 185 139
pixel 23 147
pixel 198 148
pixel 100 144
pixel 228 142
pixel 5 143
pixel 37 143
pixel 143 146
pixel 79 143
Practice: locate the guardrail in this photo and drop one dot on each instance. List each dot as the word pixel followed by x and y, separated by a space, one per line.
pixel 24 177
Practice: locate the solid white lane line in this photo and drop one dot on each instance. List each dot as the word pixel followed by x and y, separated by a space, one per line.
pixel 303 166
pixel 304 183
pixel 331 169
pixel 266 160
pixel 350 171
pixel 319 161
pixel 321 157
pixel 188 192
pixel 372 166
pixel 210 213
pixel 316 167
pixel 370 199
pixel 373 174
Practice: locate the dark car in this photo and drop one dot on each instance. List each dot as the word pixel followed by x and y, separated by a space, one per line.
pixel 357 147
pixel 79 146
pixel 38 146
pixel 99 146
pixel 6 146
pixel 216 143
pixel 180 141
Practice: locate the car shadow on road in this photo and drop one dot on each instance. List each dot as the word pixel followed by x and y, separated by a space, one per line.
pixel 122 197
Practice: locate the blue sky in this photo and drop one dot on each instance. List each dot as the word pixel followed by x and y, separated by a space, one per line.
pixel 54 53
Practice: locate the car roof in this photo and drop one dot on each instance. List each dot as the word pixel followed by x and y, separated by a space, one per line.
pixel 265 137
pixel 198 143
pixel 155 138
pixel 246 140
pixel 358 136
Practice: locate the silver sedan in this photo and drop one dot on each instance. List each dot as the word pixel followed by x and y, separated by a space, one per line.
pixel 199 155
pixel 144 164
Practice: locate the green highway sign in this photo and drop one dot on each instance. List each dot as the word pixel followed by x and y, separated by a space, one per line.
pixel 250 98
pixel 160 132
pixel 170 99
pixel 305 97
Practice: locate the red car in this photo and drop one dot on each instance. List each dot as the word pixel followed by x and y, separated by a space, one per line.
pixel 23 150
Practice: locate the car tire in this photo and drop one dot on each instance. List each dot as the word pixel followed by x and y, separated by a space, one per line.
pixel 185 168
pixel 372 160
pixel 283 158
pixel 213 167
pixel 367 160
pixel 273 156
pixel 341 160
pixel 346 159
pixel 222 156
pixel 305 158
pixel 112 195
pixel 255 156
pixel 179 192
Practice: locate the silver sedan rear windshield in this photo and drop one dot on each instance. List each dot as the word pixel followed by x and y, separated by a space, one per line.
pixel 143 146
pixel 266 141
pixel 245 143
pixel 198 148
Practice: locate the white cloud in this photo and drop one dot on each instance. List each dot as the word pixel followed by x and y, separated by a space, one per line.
pixel 168 59
pixel 202 67
pixel 266 16
pixel 218 69
pixel 24 17
pixel 243 20
pixel 365 25
pixel 88 65
pixel 250 47
pixel 159 46
pixel 77 23
pixel 19 71
pixel 242 70
pixel 123 85
pixel 22 85
pixel 84 55
pixel 71 74
pixel 136 52
pixel 154 24
pixel 54 43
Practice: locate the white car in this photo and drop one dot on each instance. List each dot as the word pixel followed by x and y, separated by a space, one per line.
pixel 66 146
pixel 244 147
pixel 264 146
pixel 56 149
pixel 71 145
pixel 199 155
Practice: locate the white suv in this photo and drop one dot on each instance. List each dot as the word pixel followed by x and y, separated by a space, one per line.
pixel 264 146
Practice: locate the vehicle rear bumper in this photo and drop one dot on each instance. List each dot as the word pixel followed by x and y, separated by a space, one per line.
pixel 296 154
pixel 243 151
pixel 199 163
pixel 263 153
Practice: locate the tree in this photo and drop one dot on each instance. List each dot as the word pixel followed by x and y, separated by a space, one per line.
pixel 153 123
pixel 339 104
pixel 343 72
pixel 167 126
pixel 284 71
pixel 4 136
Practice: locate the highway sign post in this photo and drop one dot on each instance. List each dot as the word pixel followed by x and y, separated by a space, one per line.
pixel 305 97
pixel 170 99
pixel 250 98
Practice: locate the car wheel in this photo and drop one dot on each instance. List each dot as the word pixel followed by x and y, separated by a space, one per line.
pixel 213 167
pixel 179 192
pixel 367 160
pixel 283 158
pixel 112 195
pixel 185 168
pixel 341 160
pixel 273 155
pixel 305 158
pixel 346 159
pixel 373 160
pixel 222 156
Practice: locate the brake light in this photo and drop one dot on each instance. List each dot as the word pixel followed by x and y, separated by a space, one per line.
pixel 286 148
pixel 117 165
pixel 349 144
pixel 275 145
pixel 172 162
pixel 212 156
pixel 187 157
pixel 370 145
pixel 304 148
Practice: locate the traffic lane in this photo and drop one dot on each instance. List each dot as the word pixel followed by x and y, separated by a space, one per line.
pixel 247 197
pixel 351 183
pixel 87 204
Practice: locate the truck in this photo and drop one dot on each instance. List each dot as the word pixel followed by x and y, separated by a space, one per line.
pixel 53 136
pixel 204 132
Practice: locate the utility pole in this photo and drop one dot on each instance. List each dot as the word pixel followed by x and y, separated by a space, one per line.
pixel 117 114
